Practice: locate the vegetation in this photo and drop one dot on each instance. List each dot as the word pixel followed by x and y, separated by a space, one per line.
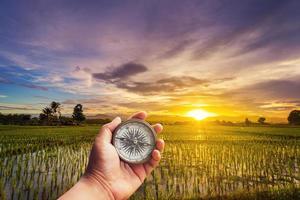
pixel 208 162
pixel 261 120
pixel 78 115
pixel 247 122
pixel 50 115
pixel 20 119
pixel 294 117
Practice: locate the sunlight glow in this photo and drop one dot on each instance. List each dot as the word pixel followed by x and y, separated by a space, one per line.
pixel 200 114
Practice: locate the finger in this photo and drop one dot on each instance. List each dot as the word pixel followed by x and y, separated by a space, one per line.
pixel 158 128
pixel 113 124
pixel 153 162
pixel 139 115
pixel 160 145
pixel 105 133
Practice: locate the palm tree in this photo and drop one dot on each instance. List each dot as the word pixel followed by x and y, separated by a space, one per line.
pixel 55 106
pixel 78 115
pixel 48 112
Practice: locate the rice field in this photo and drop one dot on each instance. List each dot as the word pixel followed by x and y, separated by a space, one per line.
pixel 199 162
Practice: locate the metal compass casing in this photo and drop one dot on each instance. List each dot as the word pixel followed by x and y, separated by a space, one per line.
pixel 134 141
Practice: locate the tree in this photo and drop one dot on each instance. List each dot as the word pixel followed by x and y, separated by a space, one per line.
pixel 47 111
pixel 247 122
pixel 20 119
pixel 47 114
pixel 261 120
pixel 66 121
pixel 78 115
pixel 55 106
pixel 294 117
pixel 43 118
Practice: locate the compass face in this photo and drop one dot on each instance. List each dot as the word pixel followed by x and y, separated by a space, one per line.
pixel 134 141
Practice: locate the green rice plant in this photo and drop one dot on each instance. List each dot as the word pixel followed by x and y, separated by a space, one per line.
pixel 199 162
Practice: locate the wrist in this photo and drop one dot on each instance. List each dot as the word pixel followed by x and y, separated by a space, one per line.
pixel 98 184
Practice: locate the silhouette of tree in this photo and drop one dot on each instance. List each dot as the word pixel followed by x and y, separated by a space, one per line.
pixel 294 117
pixel 48 114
pixel 247 122
pixel 47 111
pixel 43 118
pixel 261 120
pixel 66 121
pixel 78 115
pixel 20 119
pixel 55 106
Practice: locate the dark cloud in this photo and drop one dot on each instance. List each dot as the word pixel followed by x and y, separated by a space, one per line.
pixel 27 85
pixel 83 101
pixel 16 108
pixel 170 84
pixel 280 108
pixel 282 89
pixel 151 105
pixel 69 101
pixel 278 90
pixel 41 97
pixel 178 48
pixel 182 81
pixel 32 86
pixel 3 80
pixel 249 26
pixel 122 72
pixel 297 102
pixel 120 77
pixel 242 19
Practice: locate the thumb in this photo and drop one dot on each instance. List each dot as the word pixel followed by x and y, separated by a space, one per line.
pixel 106 130
pixel 113 124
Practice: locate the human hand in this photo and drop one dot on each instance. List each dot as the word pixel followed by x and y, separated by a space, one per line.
pixel 110 177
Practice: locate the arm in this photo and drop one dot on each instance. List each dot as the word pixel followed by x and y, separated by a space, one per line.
pixel 108 177
pixel 87 188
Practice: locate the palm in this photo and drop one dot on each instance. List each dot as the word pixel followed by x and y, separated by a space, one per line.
pixel 123 178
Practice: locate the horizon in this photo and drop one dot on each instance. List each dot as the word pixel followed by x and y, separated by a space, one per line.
pixel 167 118
pixel 236 61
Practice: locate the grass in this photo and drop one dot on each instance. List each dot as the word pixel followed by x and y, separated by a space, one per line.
pixel 199 162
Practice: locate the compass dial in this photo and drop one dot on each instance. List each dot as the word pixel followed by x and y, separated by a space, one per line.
pixel 134 141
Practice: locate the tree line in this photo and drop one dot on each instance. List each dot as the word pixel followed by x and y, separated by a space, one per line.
pixel 293 119
pixel 50 115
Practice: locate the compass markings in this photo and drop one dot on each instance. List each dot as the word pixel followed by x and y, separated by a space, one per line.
pixel 133 141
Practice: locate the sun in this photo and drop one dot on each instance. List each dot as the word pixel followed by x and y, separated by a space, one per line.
pixel 199 114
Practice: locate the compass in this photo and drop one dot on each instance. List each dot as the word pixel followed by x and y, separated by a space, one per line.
pixel 134 141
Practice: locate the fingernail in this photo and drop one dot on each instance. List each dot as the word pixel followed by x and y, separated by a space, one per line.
pixel 116 119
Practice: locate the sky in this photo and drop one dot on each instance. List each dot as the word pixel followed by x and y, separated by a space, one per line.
pixel 233 58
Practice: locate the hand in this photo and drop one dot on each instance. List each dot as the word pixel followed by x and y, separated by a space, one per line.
pixel 111 177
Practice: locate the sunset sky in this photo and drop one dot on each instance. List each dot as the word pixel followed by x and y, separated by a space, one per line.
pixel 232 58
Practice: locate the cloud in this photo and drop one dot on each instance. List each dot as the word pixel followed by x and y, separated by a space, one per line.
pixel 2 96
pixel 84 101
pixel 16 108
pixel 41 97
pixel 168 85
pixel 268 95
pixel 3 80
pixel 32 86
pixel 276 89
pixel 122 72
pixel 179 50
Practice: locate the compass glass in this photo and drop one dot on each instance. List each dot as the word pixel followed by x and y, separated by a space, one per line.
pixel 134 141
